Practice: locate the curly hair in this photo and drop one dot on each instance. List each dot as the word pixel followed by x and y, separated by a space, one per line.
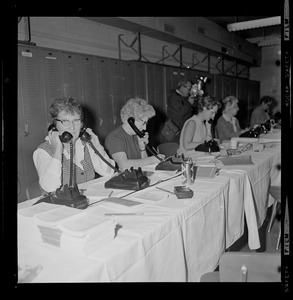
pixel 136 108
pixel 228 101
pixel 67 104
pixel 208 102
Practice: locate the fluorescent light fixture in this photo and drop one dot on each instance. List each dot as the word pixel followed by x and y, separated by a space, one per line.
pixel 254 24
pixel 271 42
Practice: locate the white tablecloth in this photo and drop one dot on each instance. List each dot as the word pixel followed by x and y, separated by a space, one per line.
pixel 175 239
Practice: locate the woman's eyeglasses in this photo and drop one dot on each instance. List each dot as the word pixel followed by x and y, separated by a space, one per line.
pixel 67 123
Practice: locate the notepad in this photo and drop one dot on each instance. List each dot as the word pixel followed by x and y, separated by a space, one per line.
pixel 121 204
pixel 237 160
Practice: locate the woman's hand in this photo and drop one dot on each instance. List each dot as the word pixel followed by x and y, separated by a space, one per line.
pixel 143 141
pixel 54 139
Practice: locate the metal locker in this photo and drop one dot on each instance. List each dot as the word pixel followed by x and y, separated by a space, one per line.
pixel 243 114
pixel 50 66
pixel 90 99
pixel 117 89
pixel 128 77
pixel 71 81
pixel 105 99
pixel 140 80
pixel 32 126
pixel 229 86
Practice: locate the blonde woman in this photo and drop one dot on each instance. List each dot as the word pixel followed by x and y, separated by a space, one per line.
pixel 228 125
pixel 123 143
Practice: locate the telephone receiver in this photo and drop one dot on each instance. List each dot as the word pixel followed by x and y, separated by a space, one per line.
pixel 135 129
pixel 65 137
pixel 141 135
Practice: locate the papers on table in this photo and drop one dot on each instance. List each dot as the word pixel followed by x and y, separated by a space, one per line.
pixel 236 160
pixel 72 230
pixel 121 204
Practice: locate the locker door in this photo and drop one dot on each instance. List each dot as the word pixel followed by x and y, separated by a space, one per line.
pixel 172 79
pixel 31 115
pixel 243 114
pixel 71 75
pixel 156 97
pixel 89 80
pixel 140 80
pixel 229 86
pixel 105 99
pixel 218 90
pixel 254 94
pixel 117 89
pixel 128 79
pixel 50 63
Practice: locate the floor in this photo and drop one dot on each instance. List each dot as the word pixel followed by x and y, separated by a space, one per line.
pixel 268 239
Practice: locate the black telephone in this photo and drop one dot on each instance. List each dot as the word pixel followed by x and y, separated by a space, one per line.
pixel 208 146
pixel 65 137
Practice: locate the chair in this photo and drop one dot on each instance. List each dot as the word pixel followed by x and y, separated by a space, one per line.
pixel 246 267
pixel 33 190
pixel 168 149
pixel 275 191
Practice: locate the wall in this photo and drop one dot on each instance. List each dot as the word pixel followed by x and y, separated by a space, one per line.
pixel 269 74
pixel 85 36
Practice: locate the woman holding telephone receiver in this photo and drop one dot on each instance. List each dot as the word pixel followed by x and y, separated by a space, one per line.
pixel 127 143
pixel 52 158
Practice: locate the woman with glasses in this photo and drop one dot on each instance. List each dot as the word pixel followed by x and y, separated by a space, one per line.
pixel 52 158
pixel 123 143
pixel 227 124
pixel 197 129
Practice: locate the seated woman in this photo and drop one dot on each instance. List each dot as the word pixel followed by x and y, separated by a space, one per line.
pixel 123 144
pixel 52 158
pixel 227 124
pixel 196 130
pixel 260 113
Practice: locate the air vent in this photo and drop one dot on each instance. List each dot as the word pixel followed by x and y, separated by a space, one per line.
pixel 169 28
pixel 201 30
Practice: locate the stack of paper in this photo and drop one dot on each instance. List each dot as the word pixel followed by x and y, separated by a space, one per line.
pixel 26 223
pixel 75 231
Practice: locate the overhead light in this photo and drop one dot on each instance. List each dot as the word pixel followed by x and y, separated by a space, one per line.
pixel 254 24
pixel 271 42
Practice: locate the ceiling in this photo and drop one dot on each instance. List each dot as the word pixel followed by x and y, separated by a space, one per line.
pixel 254 36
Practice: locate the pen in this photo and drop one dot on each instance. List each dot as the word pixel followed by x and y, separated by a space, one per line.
pixel 123 214
pixel 165 190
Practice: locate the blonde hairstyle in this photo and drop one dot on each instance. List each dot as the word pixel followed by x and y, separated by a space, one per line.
pixel 228 102
pixel 136 108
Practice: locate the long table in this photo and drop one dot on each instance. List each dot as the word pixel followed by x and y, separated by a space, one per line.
pixel 174 239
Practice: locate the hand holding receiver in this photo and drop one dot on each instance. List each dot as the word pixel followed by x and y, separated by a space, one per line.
pixel 143 141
